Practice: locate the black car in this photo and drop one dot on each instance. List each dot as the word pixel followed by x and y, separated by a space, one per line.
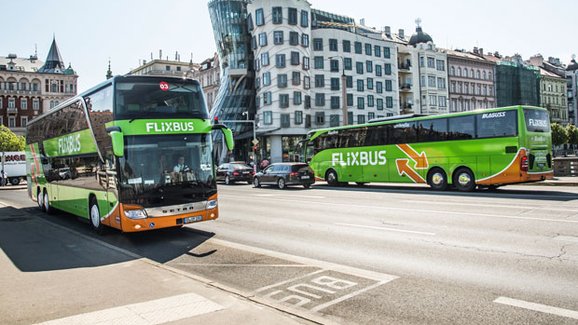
pixel 283 174
pixel 235 172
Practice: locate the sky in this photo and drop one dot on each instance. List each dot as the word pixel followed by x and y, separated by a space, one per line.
pixel 90 33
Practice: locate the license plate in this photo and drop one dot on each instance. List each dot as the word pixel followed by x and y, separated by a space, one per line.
pixel 305 177
pixel 192 219
pixel 541 165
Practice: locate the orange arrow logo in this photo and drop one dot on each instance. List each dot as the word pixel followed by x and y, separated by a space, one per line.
pixel 419 159
pixel 403 168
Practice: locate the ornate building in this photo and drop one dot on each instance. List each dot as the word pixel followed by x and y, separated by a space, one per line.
pixel 30 87
pixel 471 80
pixel 572 89
pixel 208 74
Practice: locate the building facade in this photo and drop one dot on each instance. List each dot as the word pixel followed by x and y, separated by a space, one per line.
pixel 572 90
pixel 209 75
pixel 30 87
pixel 165 67
pixel 471 81
pixel 517 83
pixel 553 96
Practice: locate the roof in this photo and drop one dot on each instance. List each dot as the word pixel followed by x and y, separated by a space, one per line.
pixel 419 37
pixel 572 66
pixel 466 55
pixel 54 63
pixel 21 64
pixel 547 73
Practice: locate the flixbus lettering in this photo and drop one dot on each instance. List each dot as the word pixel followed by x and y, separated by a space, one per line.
pixel 69 144
pixel 170 127
pixel 361 158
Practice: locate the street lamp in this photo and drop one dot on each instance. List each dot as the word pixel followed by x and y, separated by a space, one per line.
pixel 343 89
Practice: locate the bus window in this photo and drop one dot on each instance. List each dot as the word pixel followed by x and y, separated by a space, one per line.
pixel 536 120
pixel 432 130
pixel 498 124
pixel 404 132
pixel 462 128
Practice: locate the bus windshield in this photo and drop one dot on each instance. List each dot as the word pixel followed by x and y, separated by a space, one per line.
pixel 537 120
pixel 167 169
pixel 154 99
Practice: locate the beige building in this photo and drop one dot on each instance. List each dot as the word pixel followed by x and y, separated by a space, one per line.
pixel 471 80
pixel 553 96
pixel 209 74
pixel 30 87
pixel 164 67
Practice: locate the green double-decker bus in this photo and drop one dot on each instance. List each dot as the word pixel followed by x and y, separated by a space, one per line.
pixel 134 153
pixel 486 148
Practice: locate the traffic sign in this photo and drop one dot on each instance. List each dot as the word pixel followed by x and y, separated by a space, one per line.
pixel 255 141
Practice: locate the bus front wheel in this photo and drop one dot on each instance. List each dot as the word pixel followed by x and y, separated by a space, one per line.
pixel 39 199
pixel 46 202
pixel 464 180
pixel 94 216
pixel 331 178
pixel 437 179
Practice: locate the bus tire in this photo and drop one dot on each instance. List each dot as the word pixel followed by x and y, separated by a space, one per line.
pixel 40 199
pixel 437 179
pixel 464 180
pixel 46 203
pixel 15 180
pixel 94 215
pixel 331 178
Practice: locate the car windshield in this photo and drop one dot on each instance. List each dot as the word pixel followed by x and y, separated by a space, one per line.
pixel 154 165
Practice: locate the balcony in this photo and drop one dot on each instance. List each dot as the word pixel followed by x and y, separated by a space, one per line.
pixel 405 87
pixel 404 67
pixel 12 110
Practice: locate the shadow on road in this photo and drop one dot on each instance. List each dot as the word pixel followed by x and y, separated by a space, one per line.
pixel 37 242
pixel 502 192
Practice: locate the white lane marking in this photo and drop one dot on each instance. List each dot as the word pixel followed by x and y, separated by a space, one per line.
pixel 152 312
pixel 567 238
pixel 287 281
pixel 387 229
pixel 351 295
pixel 493 205
pixel 289 195
pixel 538 307
pixel 366 206
pixel 246 265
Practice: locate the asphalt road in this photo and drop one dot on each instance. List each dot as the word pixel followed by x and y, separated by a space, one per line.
pixel 381 254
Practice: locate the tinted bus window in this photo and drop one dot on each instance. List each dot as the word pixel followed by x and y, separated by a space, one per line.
pixel 432 130
pixel 376 135
pixel 536 120
pixel 497 124
pixel 462 128
pixel 404 132
pixel 159 100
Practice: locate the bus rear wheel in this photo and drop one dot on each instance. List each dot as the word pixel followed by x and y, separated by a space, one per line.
pixel 331 178
pixel 464 180
pixel 46 202
pixel 40 200
pixel 437 179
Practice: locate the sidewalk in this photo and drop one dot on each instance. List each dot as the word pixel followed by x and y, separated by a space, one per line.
pixel 559 181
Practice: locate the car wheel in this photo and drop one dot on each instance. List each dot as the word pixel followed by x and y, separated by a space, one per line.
pixel 94 216
pixel 331 178
pixel 15 181
pixel 281 183
pixel 307 185
pixel 227 180
pixel 437 179
pixel 46 202
pixel 464 180
pixel 256 182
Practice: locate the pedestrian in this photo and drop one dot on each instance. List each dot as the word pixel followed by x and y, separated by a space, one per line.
pixel 3 178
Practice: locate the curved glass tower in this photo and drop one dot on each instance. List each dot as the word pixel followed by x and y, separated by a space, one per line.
pixel 236 96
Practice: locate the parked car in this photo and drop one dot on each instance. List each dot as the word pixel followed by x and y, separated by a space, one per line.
pixel 235 172
pixel 283 174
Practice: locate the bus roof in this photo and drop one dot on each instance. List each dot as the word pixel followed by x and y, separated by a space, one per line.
pixel 416 117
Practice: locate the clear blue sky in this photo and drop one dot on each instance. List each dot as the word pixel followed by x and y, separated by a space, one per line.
pixel 88 33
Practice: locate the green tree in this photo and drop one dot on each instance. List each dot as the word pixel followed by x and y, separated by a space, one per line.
pixel 572 132
pixel 10 141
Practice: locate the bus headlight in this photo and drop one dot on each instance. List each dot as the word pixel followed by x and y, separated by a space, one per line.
pixel 135 214
pixel 211 204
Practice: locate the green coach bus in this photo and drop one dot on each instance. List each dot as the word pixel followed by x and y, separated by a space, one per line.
pixel 134 153
pixel 488 148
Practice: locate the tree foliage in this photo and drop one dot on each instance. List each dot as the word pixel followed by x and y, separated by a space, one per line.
pixel 10 141
pixel 559 134
pixel 572 132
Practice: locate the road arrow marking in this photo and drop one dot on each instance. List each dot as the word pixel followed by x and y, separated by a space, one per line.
pixel 404 168
pixel 419 159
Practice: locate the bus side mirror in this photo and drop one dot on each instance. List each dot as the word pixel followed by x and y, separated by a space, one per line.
pixel 227 133
pixel 117 140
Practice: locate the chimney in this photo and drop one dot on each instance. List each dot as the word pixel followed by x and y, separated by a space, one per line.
pixel 160 54
pixel 475 50
pixel 481 51
pixel 362 21
pixel 401 33
pixel 387 30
